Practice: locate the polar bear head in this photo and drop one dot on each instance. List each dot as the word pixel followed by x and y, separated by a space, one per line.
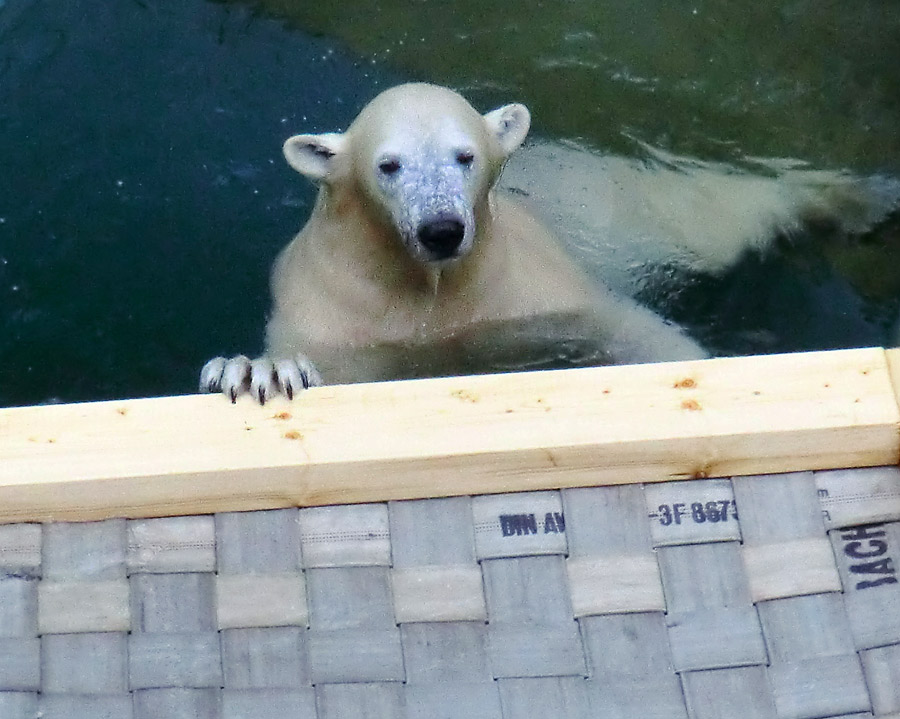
pixel 424 161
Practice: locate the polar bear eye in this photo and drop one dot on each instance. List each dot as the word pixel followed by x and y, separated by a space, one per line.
pixel 389 166
pixel 465 157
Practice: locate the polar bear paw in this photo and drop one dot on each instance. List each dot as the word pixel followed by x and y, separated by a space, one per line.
pixel 262 378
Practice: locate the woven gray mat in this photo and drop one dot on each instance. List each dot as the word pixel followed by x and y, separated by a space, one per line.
pixel 751 598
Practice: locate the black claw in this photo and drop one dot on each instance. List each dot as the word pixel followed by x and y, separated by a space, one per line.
pixel 262 395
pixel 288 390
pixel 233 394
pixel 305 378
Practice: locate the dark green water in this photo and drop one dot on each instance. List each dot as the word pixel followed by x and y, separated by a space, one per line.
pixel 143 194
pixel 812 79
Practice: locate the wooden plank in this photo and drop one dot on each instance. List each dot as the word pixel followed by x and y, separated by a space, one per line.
pixel 893 361
pixel 452 436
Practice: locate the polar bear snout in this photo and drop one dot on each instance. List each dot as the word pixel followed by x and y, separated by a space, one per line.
pixel 442 236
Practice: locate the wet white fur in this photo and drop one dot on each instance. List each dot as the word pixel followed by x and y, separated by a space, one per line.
pixel 622 216
pixel 356 294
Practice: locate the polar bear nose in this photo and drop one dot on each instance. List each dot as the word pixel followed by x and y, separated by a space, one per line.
pixel 441 236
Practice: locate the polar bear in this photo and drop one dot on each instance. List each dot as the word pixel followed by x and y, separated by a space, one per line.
pixel 411 261
pixel 627 218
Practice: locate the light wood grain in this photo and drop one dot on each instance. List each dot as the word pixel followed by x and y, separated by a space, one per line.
pixel 893 362
pixel 453 436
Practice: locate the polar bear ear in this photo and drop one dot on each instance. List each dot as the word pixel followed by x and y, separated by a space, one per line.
pixel 315 155
pixel 509 124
